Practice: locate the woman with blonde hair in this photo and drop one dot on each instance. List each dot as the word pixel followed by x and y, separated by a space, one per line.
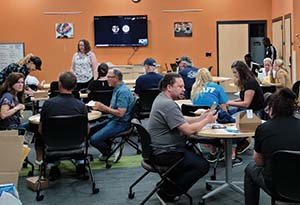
pixel 205 92
pixel 282 75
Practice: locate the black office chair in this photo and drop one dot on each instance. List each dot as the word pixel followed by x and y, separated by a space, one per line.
pixel 121 138
pixel 103 96
pixel 188 110
pixel 65 138
pixel 150 167
pixel 296 87
pixel 146 98
pixel 285 176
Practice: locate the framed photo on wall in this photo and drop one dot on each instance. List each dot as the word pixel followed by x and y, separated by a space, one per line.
pixel 64 30
pixel 183 29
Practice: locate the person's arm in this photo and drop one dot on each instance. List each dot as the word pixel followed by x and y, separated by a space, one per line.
pixel 281 79
pixel 94 65
pixel 119 112
pixel 249 94
pixel 73 64
pixel 6 112
pixel 223 107
pixel 259 161
pixel 191 128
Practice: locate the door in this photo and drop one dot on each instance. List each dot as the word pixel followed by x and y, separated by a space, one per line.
pixel 277 36
pixel 233 44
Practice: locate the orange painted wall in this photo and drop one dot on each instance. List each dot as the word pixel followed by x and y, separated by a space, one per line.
pixel 24 21
pixel 281 8
pixel 296 27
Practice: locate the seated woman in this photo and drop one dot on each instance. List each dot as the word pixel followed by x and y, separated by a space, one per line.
pixel 279 133
pixel 282 75
pixel 12 97
pixel 251 97
pixel 101 82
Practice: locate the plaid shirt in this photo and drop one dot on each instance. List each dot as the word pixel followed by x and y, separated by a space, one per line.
pixel 12 68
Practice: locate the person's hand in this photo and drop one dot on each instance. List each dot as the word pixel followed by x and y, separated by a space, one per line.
pixel 211 116
pixel 42 83
pixel 99 106
pixel 19 107
pixel 29 92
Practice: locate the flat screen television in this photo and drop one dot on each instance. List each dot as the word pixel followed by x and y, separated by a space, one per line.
pixel 121 30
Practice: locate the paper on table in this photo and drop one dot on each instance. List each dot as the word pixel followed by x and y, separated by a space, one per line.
pixel 91 103
pixel 200 111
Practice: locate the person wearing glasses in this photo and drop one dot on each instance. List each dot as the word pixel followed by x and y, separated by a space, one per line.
pixel 119 114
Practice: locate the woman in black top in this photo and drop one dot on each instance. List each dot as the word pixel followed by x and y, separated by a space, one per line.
pixel 251 94
pixel 101 82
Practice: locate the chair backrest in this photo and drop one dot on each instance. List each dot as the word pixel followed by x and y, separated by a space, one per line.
pixel 145 138
pixel 285 174
pixel 54 90
pixel 103 96
pixel 65 131
pixel 146 98
pixel 188 110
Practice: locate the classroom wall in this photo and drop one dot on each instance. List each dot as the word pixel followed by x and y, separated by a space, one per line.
pixel 296 30
pixel 25 21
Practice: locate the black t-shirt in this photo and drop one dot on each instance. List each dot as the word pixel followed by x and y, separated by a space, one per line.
pixel 99 85
pixel 280 133
pixel 258 98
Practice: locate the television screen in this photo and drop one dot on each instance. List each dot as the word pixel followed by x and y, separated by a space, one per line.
pixel 120 30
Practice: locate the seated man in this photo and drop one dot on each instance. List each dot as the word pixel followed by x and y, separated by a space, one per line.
pixel 279 133
pixel 119 114
pixel 63 104
pixel 150 79
pixel 168 129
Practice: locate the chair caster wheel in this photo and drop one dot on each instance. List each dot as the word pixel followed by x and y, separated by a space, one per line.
pixel 95 190
pixel 40 198
pixel 202 202
pixel 213 177
pixel 108 166
pixel 208 187
pixel 30 173
pixel 138 152
pixel 131 195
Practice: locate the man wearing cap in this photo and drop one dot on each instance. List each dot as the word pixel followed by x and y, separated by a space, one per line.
pixel 150 79
pixel 188 74
pixel 25 66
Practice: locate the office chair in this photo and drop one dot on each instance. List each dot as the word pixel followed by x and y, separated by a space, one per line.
pixel 295 88
pixel 146 98
pixel 285 176
pixel 121 138
pixel 188 110
pixel 54 90
pixel 65 138
pixel 150 167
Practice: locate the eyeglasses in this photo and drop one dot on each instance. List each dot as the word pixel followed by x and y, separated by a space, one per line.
pixel 110 76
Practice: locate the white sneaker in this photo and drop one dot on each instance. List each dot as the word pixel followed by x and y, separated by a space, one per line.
pixel 118 153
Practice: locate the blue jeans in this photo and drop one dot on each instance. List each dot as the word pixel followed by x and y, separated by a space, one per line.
pixel 102 132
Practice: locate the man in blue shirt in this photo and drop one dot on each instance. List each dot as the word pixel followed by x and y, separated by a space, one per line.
pixel 119 113
pixel 150 79
pixel 188 74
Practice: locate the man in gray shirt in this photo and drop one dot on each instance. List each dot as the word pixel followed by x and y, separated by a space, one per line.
pixel 168 129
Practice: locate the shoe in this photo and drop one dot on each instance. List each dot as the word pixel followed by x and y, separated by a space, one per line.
pixel 237 161
pixel 243 146
pixel 54 173
pixel 164 198
pixel 212 157
pixel 102 157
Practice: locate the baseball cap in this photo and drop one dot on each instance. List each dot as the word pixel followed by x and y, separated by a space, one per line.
pixel 150 62
pixel 36 61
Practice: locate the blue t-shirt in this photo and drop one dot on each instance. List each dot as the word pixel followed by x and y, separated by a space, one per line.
pixel 211 93
pixel 13 121
pixel 188 75
pixel 122 98
pixel 147 81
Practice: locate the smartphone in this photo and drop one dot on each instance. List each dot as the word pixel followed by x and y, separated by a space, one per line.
pixel 213 107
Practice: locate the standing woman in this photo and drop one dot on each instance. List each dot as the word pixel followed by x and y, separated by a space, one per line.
pixel 282 75
pixel 84 64
pixel 11 99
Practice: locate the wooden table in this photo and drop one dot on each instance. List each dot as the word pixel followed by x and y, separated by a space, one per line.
pixel 227 137
pixel 93 115
pixel 220 79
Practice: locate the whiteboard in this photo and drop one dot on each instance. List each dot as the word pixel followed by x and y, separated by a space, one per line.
pixel 10 53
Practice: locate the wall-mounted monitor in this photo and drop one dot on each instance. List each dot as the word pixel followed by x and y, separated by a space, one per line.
pixel 121 30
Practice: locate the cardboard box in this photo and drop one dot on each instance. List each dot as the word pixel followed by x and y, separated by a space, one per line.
pixel 247 122
pixel 9 177
pixel 32 183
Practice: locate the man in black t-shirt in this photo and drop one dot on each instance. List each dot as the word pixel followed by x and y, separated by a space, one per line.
pixel 270 51
pixel 279 133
